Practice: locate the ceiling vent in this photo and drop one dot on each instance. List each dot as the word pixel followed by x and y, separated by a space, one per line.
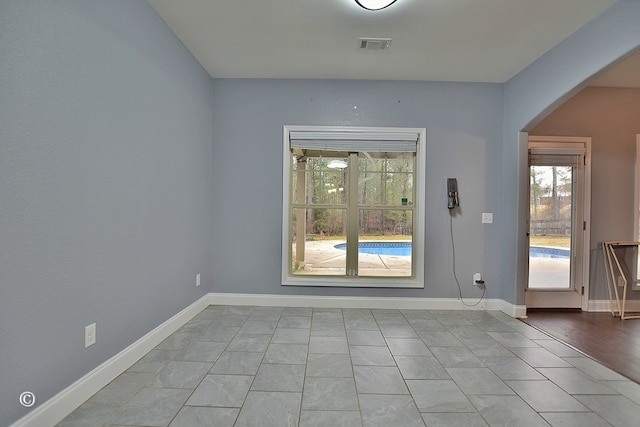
pixel 367 43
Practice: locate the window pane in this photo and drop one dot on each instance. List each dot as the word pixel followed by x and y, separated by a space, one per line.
pixel 385 242
pixel 386 179
pixel 320 180
pixel 550 227
pixel 318 239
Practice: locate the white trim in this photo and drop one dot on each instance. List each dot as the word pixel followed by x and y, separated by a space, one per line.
pixel 636 216
pixel 398 303
pixel 513 310
pixel 557 139
pixel 419 228
pixel 586 255
pixel 62 404
pixel 605 305
pixel 635 284
pixel 349 282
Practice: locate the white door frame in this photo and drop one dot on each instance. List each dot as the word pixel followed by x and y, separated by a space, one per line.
pixel 586 210
pixel 635 285
pixel 636 216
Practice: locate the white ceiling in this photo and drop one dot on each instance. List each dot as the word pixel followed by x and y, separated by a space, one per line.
pixel 436 40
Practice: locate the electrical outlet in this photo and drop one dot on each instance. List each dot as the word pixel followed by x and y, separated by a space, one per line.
pixel 198 279
pixel 620 281
pixel 487 218
pixel 477 280
pixel 89 335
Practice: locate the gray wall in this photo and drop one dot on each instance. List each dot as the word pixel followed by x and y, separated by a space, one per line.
pixel 108 176
pixel 610 117
pixel 535 92
pixel 463 123
pixel 105 202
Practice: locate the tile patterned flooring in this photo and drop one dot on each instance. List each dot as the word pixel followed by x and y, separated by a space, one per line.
pixel 263 366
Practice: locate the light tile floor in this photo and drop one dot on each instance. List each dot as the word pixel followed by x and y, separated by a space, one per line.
pixel 258 366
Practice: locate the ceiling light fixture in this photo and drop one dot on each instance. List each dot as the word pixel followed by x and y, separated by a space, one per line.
pixel 375 4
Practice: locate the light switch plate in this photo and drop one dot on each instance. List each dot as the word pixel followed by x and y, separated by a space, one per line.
pixel 487 218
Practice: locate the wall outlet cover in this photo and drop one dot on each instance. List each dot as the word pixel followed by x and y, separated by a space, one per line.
pixel 89 335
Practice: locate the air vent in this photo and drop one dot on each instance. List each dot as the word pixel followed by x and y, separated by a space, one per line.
pixel 372 44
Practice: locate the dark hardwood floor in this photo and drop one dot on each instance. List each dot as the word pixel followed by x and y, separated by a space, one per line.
pixel 613 342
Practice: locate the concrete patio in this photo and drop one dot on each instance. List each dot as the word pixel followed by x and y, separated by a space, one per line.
pixel 323 258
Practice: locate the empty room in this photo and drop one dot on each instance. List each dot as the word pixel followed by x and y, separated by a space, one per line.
pixel 318 213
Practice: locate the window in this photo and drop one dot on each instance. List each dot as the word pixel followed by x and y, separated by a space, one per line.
pixel 353 213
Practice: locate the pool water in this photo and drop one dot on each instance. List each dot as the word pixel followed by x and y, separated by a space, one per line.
pixel 381 248
pixel 404 249
pixel 542 252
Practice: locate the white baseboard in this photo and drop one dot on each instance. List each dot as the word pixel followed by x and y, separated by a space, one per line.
pixel 605 305
pixel 266 300
pixel 517 311
pixel 62 404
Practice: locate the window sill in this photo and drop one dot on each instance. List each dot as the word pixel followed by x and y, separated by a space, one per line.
pixel 343 282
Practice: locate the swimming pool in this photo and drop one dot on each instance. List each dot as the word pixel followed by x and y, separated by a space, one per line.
pixel 542 252
pixel 404 249
pixel 381 248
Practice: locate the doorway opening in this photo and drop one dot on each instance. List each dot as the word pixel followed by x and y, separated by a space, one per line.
pixel 558 241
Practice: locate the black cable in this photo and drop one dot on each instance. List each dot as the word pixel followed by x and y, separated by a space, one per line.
pixel 453 250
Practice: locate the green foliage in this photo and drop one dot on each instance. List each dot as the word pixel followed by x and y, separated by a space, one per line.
pixel 385 180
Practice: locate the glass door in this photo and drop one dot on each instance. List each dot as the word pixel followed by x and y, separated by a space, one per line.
pixel 556 226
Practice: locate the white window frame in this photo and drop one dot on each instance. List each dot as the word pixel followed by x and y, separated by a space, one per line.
pixel 418 262
pixel 635 282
